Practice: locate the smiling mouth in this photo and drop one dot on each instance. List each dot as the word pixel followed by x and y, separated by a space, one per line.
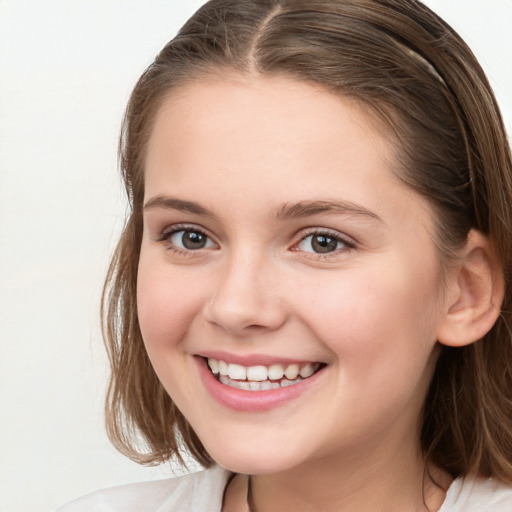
pixel 261 378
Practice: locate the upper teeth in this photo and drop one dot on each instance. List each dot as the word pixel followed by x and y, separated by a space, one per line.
pixel 260 373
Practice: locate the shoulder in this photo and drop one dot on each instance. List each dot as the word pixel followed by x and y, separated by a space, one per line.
pixel 197 492
pixel 476 494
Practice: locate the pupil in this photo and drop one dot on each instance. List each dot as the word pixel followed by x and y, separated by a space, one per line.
pixel 323 244
pixel 193 240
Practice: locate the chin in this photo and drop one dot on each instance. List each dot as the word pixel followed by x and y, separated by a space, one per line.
pixel 255 461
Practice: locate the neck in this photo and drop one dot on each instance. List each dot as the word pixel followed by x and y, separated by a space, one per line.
pixel 354 483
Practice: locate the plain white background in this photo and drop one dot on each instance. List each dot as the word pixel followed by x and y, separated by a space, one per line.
pixel 66 70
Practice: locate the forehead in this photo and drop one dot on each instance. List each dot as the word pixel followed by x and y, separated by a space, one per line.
pixel 276 115
pixel 283 140
pixel 204 96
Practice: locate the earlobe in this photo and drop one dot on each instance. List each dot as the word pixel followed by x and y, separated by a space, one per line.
pixel 475 299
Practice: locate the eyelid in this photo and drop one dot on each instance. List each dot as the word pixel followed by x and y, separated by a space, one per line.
pixel 346 240
pixel 329 232
pixel 175 228
pixel 166 234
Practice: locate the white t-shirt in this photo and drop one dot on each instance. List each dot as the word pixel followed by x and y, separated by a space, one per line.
pixel 197 492
pixel 203 492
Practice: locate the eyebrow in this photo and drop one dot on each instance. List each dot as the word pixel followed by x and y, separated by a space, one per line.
pixel 172 203
pixel 309 208
pixel 298 210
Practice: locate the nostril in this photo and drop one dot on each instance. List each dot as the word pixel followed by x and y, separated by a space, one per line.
pixel 241 302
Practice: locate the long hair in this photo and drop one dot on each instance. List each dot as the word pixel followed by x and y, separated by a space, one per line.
pixel 401 60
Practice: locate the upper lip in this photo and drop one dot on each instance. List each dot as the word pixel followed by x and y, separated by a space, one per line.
pixel 252 359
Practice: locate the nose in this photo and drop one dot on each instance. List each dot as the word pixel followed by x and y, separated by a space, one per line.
pixel 246 297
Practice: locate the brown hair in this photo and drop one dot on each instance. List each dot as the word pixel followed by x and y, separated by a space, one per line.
pixel 401 60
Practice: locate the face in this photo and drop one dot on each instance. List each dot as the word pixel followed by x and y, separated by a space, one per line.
pixel 288 290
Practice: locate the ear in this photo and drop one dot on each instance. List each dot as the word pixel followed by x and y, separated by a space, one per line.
pixel 474 298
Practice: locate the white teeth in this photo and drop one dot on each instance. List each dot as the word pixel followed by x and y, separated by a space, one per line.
pixel 257 386
pixel 306 371
pixel 292 371
pixel 224 379
pixel 275 372
pixel 214 366
pixel 223 368
pixel 285 383
pixel 254 386
pixel 257 373
pixel 236 371
pixel 261 378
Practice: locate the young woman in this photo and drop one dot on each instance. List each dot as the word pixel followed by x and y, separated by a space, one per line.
pixel 313 292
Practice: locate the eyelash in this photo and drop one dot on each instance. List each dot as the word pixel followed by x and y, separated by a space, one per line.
pixel 167 234
pixel 333 235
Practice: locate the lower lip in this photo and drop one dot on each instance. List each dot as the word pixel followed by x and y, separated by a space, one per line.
pixel 252 401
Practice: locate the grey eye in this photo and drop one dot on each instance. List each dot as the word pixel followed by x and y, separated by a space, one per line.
pixel 190 240
pixel 320 244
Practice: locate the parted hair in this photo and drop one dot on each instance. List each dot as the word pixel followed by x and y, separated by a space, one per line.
pixel 399 59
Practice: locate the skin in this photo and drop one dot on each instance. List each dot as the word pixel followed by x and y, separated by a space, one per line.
pixel 241 148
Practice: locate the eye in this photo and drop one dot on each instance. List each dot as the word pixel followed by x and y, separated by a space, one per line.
pixel 189 239
pixel 322 243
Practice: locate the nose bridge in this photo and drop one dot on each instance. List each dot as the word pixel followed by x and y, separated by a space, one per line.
pixel 244 295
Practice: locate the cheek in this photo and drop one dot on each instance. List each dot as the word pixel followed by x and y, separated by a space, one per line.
pixel 167 304
pixel 381 332
pixel 374 316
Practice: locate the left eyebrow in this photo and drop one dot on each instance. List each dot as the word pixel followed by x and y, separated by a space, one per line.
pixel 309 208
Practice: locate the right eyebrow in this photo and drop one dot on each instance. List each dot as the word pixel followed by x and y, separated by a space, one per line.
pixel 172 203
